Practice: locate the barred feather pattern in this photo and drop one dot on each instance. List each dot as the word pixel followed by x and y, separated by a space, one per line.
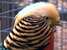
pixel 31 33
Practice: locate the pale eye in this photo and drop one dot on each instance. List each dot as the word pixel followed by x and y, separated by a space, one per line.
pixel 46 18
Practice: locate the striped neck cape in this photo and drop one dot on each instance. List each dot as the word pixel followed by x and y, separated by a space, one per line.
pixel 31 33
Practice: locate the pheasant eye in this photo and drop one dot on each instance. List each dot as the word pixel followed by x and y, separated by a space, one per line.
pixel 46 18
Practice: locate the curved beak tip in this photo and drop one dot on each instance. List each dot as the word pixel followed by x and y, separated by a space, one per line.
pixel 61 25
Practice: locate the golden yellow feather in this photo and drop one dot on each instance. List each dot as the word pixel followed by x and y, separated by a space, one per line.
pixel 42 9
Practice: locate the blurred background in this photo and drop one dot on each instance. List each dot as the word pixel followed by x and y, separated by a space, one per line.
pixel 9 8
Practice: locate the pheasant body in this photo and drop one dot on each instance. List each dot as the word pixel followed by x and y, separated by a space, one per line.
pixel 33 28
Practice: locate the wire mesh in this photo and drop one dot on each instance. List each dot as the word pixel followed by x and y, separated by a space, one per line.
pixel 60 35
pixel 9 8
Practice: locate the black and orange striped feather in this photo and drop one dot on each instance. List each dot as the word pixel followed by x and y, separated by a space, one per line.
pixel 31 33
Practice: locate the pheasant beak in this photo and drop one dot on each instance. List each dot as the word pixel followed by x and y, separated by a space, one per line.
pixel 56 24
